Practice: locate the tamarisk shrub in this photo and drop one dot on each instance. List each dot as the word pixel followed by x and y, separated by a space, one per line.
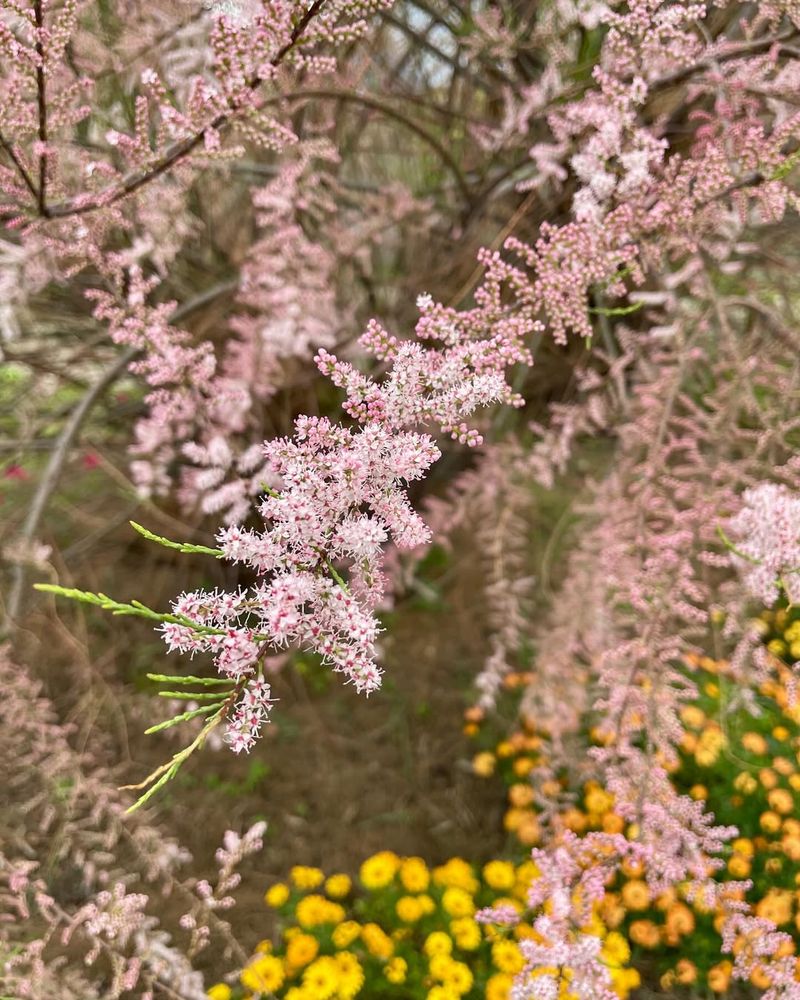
pixel 287 306
pixel 76 873
pixel 648 578
pixel 670 170
pixel 342 496
pixel 109 118
pixel 46 95
pixel 702 415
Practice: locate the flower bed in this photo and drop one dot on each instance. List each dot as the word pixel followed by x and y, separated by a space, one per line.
pixel 402 930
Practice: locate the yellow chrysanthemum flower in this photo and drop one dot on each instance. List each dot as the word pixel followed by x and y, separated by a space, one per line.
pixel 301 950
pixel 220 991
pixel 515 904
pixel 693 716
pixel 790 845
pixel 466 933
pixel 739 866
pixel 507 957
pixel 526 931
pixel 338 886
pixel 459 978
pixel 523 766
pixel 298 993
pixel 321 978
pixel 457 902
pixel 710 745
pixel 520 795
pixel 483 764
pixel 408 909
pixel 775 906
pixel 379 870
pixel 499 875
pixel 414 875
pixel 305 877
pixel 314 910
pixel 625 980
pixel 499 986
pixel 351 975
pixel 777 647
pixel 527 872
pixel 456 873
pixel 437 943
pixel 277 894
pixel 597 800
pixel 439 966
pixel 745 782
pixel 346 933
pixel 377 942
pixel 781 800
pixel 767 777
pixel 616 951
pixel 441 993
pixel 265 975
pixel 395 970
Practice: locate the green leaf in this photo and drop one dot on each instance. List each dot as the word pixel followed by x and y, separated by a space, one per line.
pixel 617 310
pixel 786 167
pixel 169 679
pixel 135 608
pixel 178 546
pixel 176 719
pixel 729 544
pixel 158 778
pixel 189 695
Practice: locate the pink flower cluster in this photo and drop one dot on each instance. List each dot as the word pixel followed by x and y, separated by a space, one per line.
pixel 757 944
pixel 342 496
pixel 251 712
pixel 766 533
pixel 571 882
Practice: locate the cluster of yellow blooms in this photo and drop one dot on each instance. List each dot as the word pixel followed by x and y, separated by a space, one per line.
pixel 747 767
pixel 405 931
pixel 409 931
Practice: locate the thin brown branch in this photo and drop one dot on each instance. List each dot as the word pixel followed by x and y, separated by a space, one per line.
pixel 69 432
pixel 733 51
pixel 20 167
pixel 179 150
pixel 390 112
pixel 41 103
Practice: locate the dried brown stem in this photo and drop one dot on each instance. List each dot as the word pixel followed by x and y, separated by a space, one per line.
pixel 179 150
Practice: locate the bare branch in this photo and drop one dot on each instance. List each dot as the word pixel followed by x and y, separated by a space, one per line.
pixel 69 433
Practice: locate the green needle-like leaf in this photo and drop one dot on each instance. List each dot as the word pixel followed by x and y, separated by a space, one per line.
pixel 193 695
pixel 176 719
pixel 170 679
pixel 178 546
